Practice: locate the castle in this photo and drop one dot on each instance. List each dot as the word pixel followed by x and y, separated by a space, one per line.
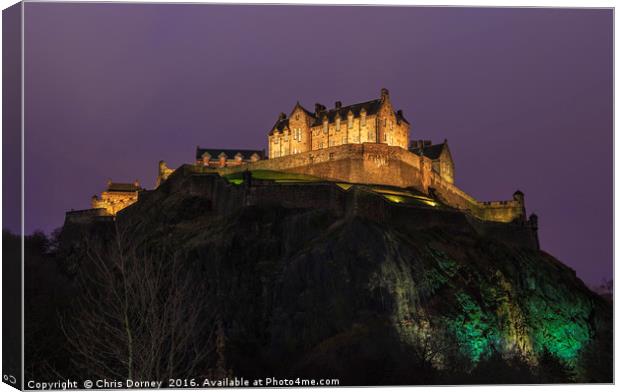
pixel 365 143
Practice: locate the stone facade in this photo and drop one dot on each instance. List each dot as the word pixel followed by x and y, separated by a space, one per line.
pixel 440 156
pixel 380 164
pixel 367 122
pixel 226 157
pixel 116 197
pixel 365 143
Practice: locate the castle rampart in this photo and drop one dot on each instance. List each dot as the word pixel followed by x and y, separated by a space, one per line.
pixel 357 200
pixel 380 164
pixel 365 143
pixel 86 216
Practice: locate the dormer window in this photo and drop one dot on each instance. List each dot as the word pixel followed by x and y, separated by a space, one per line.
pixel 338 124
pixel 325 126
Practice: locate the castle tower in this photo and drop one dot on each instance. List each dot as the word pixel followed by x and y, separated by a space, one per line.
pixel 372 121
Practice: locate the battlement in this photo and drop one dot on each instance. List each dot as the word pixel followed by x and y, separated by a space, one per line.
pixel 381 164
pixel 85 216
pixel 365 143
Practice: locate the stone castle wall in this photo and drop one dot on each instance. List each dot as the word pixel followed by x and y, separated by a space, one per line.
pixel 380 164
pixel 86 216
pixel 113 202
pixel 356 201
pixel 222 197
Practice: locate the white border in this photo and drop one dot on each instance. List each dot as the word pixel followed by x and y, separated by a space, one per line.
pixel 475 3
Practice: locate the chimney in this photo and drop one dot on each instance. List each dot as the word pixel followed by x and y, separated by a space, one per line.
pixel 282 116
pixel 384 94
pixel 399 113
pixel 136 183
pixel 318 108
pixel 338 104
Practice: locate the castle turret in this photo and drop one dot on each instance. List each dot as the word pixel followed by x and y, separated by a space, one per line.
pixel 519 197
pixel 533 222
pixel 385 94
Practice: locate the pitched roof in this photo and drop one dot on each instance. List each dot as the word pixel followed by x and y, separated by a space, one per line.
pixel 372 107
pixel 215 153
pixel 122 187
pixel 308 112
pixel 279 125
pixel 432 151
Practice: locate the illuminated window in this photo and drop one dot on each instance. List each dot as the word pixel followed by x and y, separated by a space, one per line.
pixel 344 140
pixel 321 145
pixel 363 121
pixel 337 124
pixel 325 127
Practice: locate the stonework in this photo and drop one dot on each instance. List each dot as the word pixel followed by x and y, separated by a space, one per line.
pixel 367 122
pixel 365 143
pixel 116 197
pixel 380 164
pixel 214 157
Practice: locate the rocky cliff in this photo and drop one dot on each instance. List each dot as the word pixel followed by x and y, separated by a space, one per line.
pixel 418 295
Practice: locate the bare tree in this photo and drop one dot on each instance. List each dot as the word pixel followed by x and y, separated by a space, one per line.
pixel 140 314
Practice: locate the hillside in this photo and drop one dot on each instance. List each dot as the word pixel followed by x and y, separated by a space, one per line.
pixel 304 279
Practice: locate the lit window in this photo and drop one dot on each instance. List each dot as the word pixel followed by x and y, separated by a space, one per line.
pixel 344 140
pixel 337 124
pixel 363 120
pixel 325 126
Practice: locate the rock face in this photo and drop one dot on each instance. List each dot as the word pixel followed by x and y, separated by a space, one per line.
pixel 420 297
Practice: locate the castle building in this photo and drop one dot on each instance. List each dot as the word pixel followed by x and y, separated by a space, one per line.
pixel 367 122
pixel 214 157
pixel 364 143
pixel 442 162
pixel 117 196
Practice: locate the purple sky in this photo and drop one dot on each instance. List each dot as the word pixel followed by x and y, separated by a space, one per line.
pixel 524 97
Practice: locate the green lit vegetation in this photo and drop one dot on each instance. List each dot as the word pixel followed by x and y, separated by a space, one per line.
pixel 474 328
pixel 344 185
pixel 405 197
pixel 277 176
pixel 561 327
